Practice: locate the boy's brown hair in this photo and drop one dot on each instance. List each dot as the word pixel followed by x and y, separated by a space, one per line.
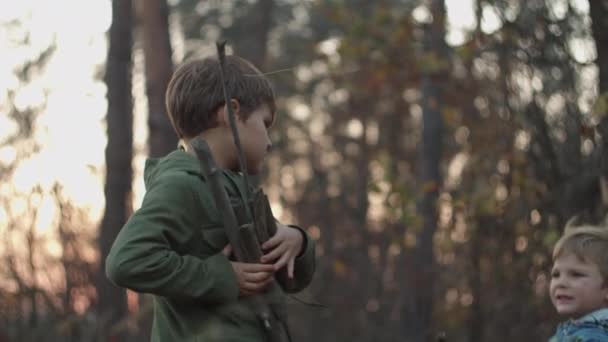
pixel 589 243
pixel 195 93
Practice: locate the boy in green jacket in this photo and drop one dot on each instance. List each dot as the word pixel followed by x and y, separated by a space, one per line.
pixel 175 246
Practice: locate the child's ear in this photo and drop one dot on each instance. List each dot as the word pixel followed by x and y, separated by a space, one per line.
pixel 222 114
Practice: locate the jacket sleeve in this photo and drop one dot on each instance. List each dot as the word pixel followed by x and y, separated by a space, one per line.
pixel 145 256
pixel 304 266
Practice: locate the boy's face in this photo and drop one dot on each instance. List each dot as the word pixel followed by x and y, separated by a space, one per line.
pixel 577 287
pixel 254 137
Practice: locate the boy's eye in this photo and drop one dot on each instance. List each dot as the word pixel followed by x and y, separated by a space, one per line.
pixel 555 274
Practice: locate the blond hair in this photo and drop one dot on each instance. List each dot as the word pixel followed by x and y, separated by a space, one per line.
pixel 589 243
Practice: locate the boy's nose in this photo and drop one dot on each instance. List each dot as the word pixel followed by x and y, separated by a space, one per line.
pixel 560 282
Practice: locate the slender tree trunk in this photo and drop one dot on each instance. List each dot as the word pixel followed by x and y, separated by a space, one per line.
pixel 476 314
pixel 112 303
pixel 598 10
pixel 33 289
pixel 67 244
pixel 419 308
pixel 476 319
pixel 259 23
pixel 159 67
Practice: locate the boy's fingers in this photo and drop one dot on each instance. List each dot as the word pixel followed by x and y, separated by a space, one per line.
pixel 250 268
pixel 273 254
pixel 290 266
pixel 257 286
pixel 272 242
pixel 258 277
pixel 282 262
pixel 268 281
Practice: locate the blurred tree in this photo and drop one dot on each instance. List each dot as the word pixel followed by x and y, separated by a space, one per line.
pixel 257 25
pixel 246 26
pixel 24 302
pixel 418 308
pixel 158 70
pixel 20 140
pixel 79 269
pixel 112 303
pixel 598 11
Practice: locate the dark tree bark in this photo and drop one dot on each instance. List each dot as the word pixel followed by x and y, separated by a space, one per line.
pixel 112 303
pixel 258 25
pixel 418 309
pixel 598 9
pixel 159 67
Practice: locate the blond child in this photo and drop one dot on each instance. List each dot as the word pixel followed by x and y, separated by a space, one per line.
pixel 579 288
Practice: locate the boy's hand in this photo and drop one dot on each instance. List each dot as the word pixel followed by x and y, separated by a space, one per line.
pixel 252 278
pixel 283 248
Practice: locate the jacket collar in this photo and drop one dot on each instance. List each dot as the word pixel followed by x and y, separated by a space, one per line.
pixel 597 315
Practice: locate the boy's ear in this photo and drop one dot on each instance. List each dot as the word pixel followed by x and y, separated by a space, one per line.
pixel 222 115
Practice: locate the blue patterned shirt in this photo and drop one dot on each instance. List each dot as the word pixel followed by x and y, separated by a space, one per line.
pixel 592 327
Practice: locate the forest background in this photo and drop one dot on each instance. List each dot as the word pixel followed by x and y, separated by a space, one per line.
pixel 434 150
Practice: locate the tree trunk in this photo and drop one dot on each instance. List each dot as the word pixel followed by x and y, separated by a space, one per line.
pixel 33 290
pixel 259 24
pixel 476 320
pixel 159 67
pixel 418 310
pixel 598 10
pixel 112 303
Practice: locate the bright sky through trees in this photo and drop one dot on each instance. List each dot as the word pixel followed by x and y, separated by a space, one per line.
pixel 71 129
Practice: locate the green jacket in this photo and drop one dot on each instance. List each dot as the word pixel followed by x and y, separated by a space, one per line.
pixel 171 247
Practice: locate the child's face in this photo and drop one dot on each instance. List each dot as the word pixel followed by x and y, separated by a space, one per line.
pixel 577 287
pixel 254 137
